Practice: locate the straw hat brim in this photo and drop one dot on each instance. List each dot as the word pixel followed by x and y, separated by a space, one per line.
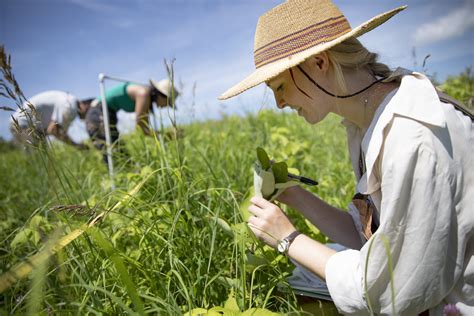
pixel 273 69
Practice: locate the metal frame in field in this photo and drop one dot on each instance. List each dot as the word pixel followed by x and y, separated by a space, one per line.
pixel 105 111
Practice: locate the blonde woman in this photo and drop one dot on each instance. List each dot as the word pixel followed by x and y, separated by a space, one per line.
pixel 411 150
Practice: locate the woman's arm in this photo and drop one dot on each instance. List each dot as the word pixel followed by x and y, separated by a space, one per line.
pixel 333 222
pixel 60 133
pixel 141 95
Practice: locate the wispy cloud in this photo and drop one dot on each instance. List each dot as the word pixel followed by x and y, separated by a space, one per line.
pixel 454 24
pixel 123 23
pixel 95 5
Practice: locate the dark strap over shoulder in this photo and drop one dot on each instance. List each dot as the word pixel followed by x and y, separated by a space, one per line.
pixel 457 105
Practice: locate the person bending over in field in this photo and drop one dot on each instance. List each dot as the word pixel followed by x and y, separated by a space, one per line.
pixel 130 98
pixel 410 227
pixel 48 113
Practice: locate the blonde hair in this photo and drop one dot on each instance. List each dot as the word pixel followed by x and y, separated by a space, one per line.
pixel 352 55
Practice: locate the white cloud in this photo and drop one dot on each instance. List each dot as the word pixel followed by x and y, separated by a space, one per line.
pixel 95 5
pixel 123 23
pixel 453 24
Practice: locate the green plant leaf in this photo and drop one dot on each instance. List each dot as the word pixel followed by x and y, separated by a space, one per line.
pixel 22 237
pixel 123 274
pixel 231 303
pixel 280 171
pixel 263 158
pixel 196 312
pixel 225 227
pixel 259 312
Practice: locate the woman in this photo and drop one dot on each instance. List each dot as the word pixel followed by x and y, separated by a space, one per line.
pixel 128 97
pixel 410 225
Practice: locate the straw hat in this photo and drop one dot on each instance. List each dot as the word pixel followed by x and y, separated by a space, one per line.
pixel 166 87
pixel 292 32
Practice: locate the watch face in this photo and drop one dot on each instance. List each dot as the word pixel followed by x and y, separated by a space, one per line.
pixel 283 245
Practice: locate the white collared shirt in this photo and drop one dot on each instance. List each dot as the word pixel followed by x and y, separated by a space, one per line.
pixel 420 174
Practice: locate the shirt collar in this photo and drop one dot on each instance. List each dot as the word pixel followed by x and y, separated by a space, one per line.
pixel 416 98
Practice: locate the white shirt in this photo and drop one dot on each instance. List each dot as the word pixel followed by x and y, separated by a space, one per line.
pixel 57 106
pixel 419 160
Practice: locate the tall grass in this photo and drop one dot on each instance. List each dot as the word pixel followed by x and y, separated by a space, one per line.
pixel 177 244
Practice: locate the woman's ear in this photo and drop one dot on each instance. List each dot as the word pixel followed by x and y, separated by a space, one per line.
pixel 320 62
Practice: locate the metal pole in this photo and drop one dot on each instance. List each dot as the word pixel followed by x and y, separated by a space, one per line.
pixel 104 76
pixel 108 141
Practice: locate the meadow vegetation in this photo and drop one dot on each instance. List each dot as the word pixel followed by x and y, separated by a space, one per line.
pixel 173 238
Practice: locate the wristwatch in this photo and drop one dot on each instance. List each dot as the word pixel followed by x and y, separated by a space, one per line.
pixel 284 244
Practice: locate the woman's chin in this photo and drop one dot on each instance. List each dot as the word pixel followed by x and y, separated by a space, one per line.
pixel 312 119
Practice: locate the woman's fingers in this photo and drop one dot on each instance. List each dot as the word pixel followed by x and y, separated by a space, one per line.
pixel 268 222
pixel 255 222
pixel 257 226
pixel 261 202
pixel 255 210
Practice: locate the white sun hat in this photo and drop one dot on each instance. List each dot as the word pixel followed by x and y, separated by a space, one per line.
pixel 166 87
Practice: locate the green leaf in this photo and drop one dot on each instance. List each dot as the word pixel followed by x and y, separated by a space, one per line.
pixel 146 171
pixel 231 303
pixel 263 158
pixel 294 171
pixel 280 171
pixel 196 312
pixel 123 274
pixel 219 311
pixel 225 227
pixel 244 206
pixel 22 237
pixel 253 261
pixel 259 312
pixel 36 221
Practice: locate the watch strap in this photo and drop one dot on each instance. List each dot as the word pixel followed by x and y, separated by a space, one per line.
pixel 289 239
pixel 292 236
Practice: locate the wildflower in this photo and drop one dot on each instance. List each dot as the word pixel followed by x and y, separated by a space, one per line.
pixel 451 310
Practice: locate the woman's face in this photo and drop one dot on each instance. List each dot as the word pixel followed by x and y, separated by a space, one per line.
pixel 161 100
pixel 292 89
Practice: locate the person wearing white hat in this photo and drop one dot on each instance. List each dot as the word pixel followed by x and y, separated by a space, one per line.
pixel 129 97
pixel 410 227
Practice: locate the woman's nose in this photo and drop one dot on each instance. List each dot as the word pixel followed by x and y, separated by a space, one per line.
pixel 281 104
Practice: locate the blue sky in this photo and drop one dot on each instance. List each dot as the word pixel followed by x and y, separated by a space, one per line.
pixel 65 44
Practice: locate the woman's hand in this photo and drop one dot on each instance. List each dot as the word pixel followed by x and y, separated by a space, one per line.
pixel 268 222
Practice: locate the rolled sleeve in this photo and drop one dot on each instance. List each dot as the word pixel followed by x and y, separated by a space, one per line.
pixel 344 281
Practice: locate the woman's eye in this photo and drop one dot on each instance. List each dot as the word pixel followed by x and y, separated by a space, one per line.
pixel 280 88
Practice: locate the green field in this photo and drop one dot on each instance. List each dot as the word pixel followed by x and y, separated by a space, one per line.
pixel 172 238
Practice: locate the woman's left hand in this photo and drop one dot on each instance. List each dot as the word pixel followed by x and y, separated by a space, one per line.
pixel 268 222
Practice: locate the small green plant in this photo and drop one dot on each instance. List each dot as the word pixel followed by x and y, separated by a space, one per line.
pixel 270 178
pixel 461 87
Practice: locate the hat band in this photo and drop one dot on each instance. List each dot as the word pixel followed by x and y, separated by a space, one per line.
pixel 310 36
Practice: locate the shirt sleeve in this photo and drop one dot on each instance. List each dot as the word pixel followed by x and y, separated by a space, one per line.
pixel 408 264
